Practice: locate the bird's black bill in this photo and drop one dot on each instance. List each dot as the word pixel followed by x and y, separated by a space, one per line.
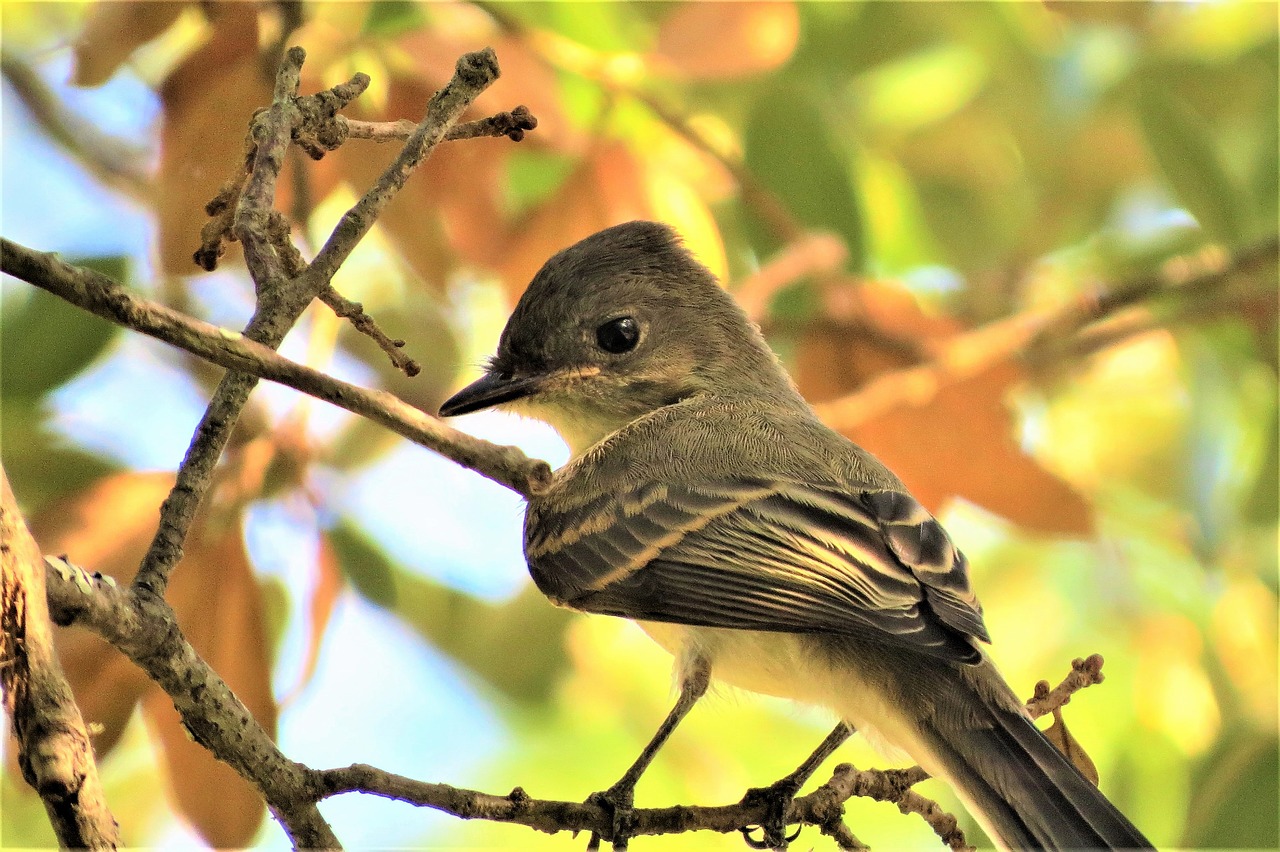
pixel 487 391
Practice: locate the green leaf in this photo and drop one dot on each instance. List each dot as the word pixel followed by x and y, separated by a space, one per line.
pixel 533 175
pixel 46 341
pixel 1235 794
pixel 789 148
pixel 1183 145
pixel 516 646
pixel 363 563
pixel 39 464
pixel 390 18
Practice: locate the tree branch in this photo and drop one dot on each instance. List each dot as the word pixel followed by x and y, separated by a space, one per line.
pixel 510 124
pixel 54 751
pixel 98 294
pixel 143 628
pixel 474 73
pixel 1029 335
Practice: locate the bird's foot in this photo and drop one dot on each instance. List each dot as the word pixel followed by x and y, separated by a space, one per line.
pixel 776 798
pixel 618 801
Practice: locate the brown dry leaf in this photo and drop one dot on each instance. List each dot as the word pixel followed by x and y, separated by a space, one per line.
pixel 1070 746
pixel 113 31
pixel 944 434
pixel 219 606
pixel 208 100
pixel 724 40
pixel 108 527
pixel 606 188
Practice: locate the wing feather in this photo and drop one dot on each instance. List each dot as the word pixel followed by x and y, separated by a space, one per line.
pixel 780 556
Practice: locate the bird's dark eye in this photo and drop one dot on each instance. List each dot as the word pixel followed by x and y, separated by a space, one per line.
pixel 618 335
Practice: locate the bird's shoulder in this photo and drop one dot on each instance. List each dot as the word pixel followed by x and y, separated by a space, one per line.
pixel 738 437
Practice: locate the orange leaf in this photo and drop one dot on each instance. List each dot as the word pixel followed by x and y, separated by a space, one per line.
pixel 960 442
pixel 208 99
pixel 945 433
pixel 113 31
pixel 726 40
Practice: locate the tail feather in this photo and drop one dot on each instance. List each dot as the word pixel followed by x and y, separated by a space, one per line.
pixel 1028 793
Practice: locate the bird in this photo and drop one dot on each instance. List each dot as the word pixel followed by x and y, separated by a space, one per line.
pixel 705 501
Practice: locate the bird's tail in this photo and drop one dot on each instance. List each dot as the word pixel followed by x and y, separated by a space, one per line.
pixel 1027 793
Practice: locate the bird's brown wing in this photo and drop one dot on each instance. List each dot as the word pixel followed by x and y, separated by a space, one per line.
pixel 762 555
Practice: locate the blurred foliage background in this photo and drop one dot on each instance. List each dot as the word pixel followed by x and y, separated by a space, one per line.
pixel 900 193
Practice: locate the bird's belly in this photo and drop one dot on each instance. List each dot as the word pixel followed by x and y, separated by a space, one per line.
pixel 788 665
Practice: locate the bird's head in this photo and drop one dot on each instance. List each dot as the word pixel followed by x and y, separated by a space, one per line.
pixel 616 326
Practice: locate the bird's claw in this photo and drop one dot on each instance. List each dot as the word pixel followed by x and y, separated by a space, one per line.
pixel 618 802
pixel 776 798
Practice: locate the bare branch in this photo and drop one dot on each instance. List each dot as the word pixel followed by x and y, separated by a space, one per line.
pixel 143 628
pixel 474 73
pixel 512 124
pixel 1086 672
pixel 363 323
pixel 100 295
pixel 54 751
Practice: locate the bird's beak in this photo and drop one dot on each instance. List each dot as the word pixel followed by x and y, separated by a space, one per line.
pixel 489 390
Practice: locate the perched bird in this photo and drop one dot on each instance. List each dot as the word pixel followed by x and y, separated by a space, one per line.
pixel 705 501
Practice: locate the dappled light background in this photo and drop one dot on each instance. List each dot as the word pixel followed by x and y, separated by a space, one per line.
pixel 895 191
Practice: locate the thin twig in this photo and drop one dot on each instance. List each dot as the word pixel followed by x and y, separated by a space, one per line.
pixel 272 318
pixel 363 323
pixel 511 124
pixel 1084 672
pixel 474 73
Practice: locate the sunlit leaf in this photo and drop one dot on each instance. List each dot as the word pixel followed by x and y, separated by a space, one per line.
pixel 950 435
pixel 726 40
pixel 921 89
